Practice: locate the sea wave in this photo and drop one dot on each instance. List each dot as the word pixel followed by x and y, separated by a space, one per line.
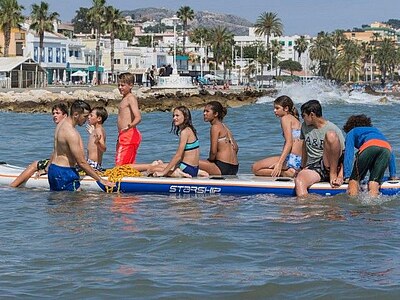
pixel 327 93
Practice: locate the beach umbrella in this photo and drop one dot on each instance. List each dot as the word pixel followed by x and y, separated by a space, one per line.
pixel 79 74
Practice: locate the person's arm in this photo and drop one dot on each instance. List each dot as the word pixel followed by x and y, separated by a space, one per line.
pixel 214 133
pixel 303 155
pixel 178 155
pixel 348 154
pixel 287 146
pixel 100 140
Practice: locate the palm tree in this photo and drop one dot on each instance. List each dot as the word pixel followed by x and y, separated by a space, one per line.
pixel 275 49
pixel 367 53
pixel 42 21
pixel 348 64
pixel 263 58
pixel 386 56
pixel 268 23
pixel 114 22
pixel 220 38
pixel 201 36
pixel 322 51
pixel 185 13
pixel 10 16
pixel 96 16
pixel 300 46
pixel 338 38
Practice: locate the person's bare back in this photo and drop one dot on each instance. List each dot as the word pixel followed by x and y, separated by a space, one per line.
pixel 67 145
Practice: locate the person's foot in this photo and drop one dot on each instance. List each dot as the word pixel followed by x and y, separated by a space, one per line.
pixel 157 162
pixel 336 182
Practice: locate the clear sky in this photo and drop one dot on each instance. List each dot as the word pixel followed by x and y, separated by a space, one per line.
pixel 298 16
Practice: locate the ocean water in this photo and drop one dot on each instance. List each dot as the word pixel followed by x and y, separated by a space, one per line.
pixel 145 246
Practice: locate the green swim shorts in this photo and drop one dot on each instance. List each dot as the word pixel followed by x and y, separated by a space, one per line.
pixel 373 159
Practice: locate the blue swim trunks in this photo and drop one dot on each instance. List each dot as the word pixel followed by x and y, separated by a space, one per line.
pixel 63 178
pixel 293 161
pixel 188 169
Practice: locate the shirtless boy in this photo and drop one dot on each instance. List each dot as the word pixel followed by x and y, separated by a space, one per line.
pixel 322 150
pixel 129 117
pixel 60 112
pixel 68 152
pixel 97 137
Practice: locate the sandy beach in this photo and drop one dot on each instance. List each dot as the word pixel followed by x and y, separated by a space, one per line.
pixel 41 100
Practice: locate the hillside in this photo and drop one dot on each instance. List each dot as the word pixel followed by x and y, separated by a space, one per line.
pixel 235 24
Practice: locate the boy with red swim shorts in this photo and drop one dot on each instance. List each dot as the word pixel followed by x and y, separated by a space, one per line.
pixel 129 117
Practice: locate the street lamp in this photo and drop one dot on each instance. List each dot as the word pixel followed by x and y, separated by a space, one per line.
pixel 175 20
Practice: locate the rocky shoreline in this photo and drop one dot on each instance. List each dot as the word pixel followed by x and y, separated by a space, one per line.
pixel 41 100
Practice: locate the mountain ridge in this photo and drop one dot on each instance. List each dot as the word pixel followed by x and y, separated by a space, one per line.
pixel 235 24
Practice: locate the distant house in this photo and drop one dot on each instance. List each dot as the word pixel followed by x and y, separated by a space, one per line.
pixel 21 72
pixel 17 42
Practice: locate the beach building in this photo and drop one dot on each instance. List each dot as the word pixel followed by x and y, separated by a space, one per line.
pixel 17 42
pixel 375 31
pixel 21 72
pixel 54 54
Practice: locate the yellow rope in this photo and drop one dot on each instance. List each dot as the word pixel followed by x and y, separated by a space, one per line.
pixel 117 173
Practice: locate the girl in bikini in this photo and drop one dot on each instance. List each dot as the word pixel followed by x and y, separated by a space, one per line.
pixel 185 162
pixel 290 159
pixel 222 159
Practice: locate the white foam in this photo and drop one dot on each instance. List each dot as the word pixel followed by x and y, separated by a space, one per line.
pixel 326 92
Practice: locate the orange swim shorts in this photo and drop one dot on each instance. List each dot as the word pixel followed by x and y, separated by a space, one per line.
pixel 127 146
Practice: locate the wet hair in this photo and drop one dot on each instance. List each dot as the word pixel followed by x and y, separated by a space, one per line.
pixel 187 121
pixel 357 121
pixel 286 101
pixel 312 106
pixel 79 106
pixel 61 106
pixel 126 77
pixel 101 112
pixel 217 107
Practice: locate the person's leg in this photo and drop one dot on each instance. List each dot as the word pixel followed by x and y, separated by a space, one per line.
pixel 209 167
pixel 304 180
pixel 146 167
pixel 353 187
pixel 373 188
pixel 25 175
pixel 264 167
pixel 332 153
pixel 377 170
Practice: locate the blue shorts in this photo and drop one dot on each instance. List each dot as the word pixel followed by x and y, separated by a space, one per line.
pixel 63 178
pixel 293 161
pixel 188 169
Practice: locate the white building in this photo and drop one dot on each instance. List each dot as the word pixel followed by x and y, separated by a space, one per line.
pixel 54 54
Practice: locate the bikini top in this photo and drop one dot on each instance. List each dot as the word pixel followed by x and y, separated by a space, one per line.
pixel 227 138
pixel 296 134
pixel 192 146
